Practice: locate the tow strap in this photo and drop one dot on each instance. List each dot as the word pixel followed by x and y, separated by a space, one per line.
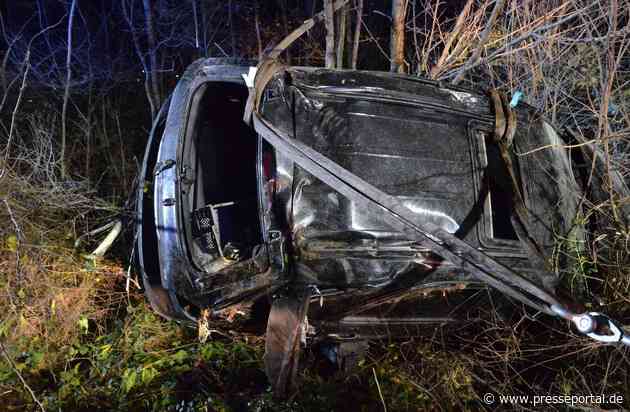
pixel 487 270
pixel 433 237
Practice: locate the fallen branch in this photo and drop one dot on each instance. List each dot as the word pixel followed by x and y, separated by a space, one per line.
pixel 107 243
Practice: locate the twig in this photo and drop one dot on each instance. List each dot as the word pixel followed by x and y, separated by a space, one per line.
pixel 17 372
pixel 378 386
pixel 18 237
pixel 459 24
pixel 16 109
pixel 221 49
pixel 372 38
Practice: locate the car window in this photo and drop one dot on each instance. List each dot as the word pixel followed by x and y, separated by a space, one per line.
pixel 494 193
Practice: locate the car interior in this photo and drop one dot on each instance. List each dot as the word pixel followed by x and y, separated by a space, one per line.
pixel 221 204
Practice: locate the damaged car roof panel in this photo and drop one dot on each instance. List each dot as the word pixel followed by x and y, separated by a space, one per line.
pixel 429 146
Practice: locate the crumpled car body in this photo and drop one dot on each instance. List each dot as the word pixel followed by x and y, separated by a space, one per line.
pixel 225 218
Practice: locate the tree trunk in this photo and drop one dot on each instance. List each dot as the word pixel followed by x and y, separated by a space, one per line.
pixel 66 92
pixel 357 34
pixel 153 66
pixel 397 41
pixel 330 33
pixel 341 36
pixel 196 20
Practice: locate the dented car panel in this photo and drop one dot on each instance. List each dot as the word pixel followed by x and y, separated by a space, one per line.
pixel 430 147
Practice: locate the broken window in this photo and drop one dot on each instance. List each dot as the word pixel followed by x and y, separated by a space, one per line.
pixel 494 189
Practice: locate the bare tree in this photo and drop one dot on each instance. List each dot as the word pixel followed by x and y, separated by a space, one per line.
pixel 397 41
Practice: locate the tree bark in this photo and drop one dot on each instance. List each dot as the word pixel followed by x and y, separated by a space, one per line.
pixel 330 33
pixel 66 92
pixel 341 36
pixel 357 34
pixel 397 41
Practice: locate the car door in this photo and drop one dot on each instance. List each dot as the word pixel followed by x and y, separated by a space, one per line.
pixel 146 234
pixel 209 242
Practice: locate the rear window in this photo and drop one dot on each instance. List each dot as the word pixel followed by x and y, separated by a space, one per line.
pixel 493 188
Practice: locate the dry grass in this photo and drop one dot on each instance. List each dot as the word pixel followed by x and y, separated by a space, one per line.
pixel 48 288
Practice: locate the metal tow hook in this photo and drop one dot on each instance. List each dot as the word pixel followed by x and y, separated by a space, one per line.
pixel 316 292
pixel 592 324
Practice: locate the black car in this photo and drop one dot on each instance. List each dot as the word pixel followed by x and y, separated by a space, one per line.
pixel 306 204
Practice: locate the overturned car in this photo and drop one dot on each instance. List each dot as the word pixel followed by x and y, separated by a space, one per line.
pixel 352 191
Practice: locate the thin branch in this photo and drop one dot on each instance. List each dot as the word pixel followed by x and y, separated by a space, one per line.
pixel 109 240
pixel 19 375
pixel 485 35
pixel 459 25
